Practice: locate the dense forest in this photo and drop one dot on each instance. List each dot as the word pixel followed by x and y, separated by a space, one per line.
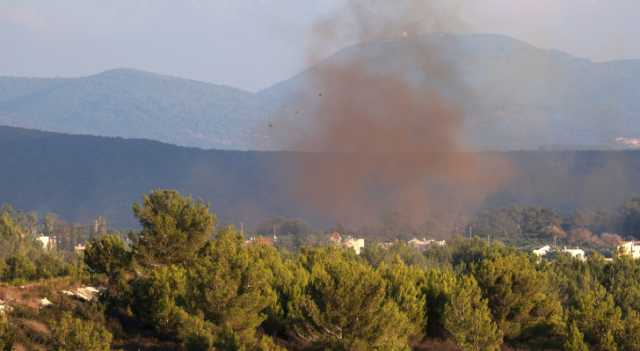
pixel 82 177
pixel 182 281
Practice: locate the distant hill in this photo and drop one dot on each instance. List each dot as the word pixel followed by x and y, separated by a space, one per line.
pixel 81 177
pixel 133 104
pixel 518 97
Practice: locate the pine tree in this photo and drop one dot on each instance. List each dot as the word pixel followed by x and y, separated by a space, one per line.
pixel 631 340
pixel 405 287
pixel 7 333
pixel 345 305
pixel 230 288
pixel 174 227
pixel 437 289
pixel 523 302
pixel 596 314
pixel 107 255
pixel 575 340
pixel 72 334
pixel 468 319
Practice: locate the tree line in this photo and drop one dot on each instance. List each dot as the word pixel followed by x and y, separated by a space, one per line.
pixel 194 286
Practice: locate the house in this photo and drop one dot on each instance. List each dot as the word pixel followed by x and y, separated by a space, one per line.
pixel 423 244
pixel 356 244
pixel 629 248
pixel 542 251
pixel 575 253
pixel 46 241
pixel 79 248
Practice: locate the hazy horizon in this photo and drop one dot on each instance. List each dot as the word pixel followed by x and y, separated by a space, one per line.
pixel 251 44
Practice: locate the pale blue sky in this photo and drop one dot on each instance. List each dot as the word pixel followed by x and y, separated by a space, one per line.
pixel 253 43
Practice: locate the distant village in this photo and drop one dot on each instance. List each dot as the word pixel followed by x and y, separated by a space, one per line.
pixel 625 248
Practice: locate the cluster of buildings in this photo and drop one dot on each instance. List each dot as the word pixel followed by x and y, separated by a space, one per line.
pixel 357 244
pixel 576 253
pixel 50 243
pixel 627 248
pixel 423 244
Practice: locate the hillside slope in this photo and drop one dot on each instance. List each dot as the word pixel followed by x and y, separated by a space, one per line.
pixel 81 177
pixel 515 96
pixel 132 104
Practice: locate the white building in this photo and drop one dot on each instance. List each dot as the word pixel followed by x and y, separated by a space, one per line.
pixel 356 244
pixel 630 248
pixel 46 242
pixel 575 253
pixel 542 251
pixel 422 244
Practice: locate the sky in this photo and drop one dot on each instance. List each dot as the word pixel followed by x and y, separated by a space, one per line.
pixel 252 44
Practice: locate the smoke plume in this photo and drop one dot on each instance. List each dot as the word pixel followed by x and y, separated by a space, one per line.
pixel 383 130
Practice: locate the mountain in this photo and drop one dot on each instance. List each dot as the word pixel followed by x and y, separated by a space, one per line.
pixel 133 104
pixel 81 177
pixel 515 96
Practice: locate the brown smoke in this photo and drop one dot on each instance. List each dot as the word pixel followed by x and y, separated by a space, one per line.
pixel 387 137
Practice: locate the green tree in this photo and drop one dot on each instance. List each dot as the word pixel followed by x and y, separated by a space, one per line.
pixel 174 227
pixel 522 299
pixel 50 264
pixel 7 333
pixel 468 318
pixel 107 255
pixel 345 305
pixel 631 337
pixel 438 287
pixel 286 278
pixel 377 254
pixel 12 235
pixel 72 334
pixel 229 288
pixel 622 279
pixel 19 267
pixel 405 286
pixel 595 313
pixel 156 297
pixel 575 340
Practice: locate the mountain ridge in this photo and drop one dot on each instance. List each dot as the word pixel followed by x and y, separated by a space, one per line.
pixel 523 97
pixel 80 177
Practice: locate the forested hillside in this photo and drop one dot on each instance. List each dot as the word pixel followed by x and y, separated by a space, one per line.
pixel 82 177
